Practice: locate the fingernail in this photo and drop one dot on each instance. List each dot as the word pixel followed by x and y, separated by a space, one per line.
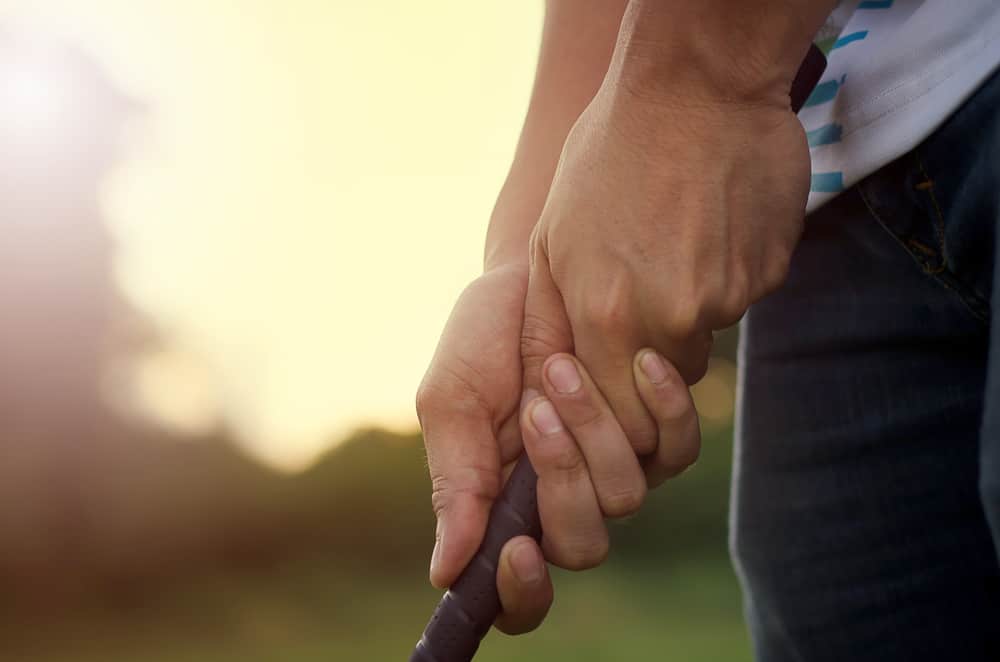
pixel 526 564
pixel 564 376
pixel 654 367
pixel 545 418
pixel 527 397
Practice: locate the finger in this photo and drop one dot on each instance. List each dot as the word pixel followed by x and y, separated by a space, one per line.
pixel 465 474
pixel 605 340
pixel 668 399
pixel 545 329
pixel 688 357
pixel 524 585
pixel 615 471
pixel 575 536
pixel 509 439
pixel 608 359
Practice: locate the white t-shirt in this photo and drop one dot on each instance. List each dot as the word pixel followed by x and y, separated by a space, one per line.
pixel 897 69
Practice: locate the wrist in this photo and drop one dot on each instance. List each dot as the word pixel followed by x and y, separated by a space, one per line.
pixel 506 254
pixel 509 233
pixel 506 259
pixel 511 277
pixel 715 51
pixel 507 246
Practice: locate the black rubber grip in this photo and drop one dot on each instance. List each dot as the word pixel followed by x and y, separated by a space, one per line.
pixel 467 611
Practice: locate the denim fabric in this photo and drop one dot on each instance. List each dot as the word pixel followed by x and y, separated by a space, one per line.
pixel 868 432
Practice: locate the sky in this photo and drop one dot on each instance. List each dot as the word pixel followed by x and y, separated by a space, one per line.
pixel 304 198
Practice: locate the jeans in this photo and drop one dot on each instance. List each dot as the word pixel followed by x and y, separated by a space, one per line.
pixel 866 492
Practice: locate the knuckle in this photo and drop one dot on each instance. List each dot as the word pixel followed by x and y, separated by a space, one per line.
pixel 776 271
pixel 605 314
pixel 698 366
pixel 568 462
pixel 452 390
pixel 539 338
pixel 734 300
pixel 609 313
pixel 441 496
pixel 682 306
pixel 474 483
pixel 684 318
pixel 609 307
pixel 585 418
pixel 427 399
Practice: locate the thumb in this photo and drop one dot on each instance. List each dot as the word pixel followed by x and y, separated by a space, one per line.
pixel 546 329
pixel 464 463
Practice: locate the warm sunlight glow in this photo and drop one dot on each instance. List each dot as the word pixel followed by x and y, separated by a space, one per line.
pixel 34 100
pixel 309 195
pixel 38 96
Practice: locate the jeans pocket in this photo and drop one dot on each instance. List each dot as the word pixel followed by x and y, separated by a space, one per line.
pixel 941 201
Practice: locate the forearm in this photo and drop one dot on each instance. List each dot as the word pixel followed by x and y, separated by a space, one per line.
pixel 578 39
pixel 681 52
pixel 715 51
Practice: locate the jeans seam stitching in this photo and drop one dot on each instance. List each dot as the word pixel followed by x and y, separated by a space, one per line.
pixel 940 277
pixel 974 299
pixel 938 216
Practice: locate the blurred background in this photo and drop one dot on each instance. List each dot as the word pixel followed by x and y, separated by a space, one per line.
pixel 230 233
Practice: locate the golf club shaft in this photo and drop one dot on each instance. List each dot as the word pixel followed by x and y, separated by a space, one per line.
pixel 467 611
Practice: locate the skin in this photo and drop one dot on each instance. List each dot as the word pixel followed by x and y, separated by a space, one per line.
pixel 658 190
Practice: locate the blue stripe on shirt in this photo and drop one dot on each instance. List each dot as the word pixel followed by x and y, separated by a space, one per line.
pixel 876 4
pixel 824 92
pixel 846 39
pixel 825 135
pixel 827 182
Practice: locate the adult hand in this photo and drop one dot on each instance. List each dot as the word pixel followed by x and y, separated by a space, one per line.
pixel 665 221
pixel 587 472
pixel 468 405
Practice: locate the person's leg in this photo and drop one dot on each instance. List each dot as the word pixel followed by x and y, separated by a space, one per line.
pixel 858 527
pixel 989 477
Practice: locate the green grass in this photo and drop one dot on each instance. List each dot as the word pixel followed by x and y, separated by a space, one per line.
pixel 312 613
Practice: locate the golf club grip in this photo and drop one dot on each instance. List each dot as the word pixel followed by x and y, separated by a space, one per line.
pixel 467 611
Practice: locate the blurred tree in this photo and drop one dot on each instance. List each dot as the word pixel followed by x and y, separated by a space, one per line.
pixel 59 126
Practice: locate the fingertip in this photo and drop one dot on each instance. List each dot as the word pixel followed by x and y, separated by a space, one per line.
pixel 653 368
pixel 556 356
pixel 529 396
pixel 524 586
pixel 544 418
pixel 459 533
pixel 434 573
pixel 580 552
pixel 540 419
pixel 442 574
pixel 663 390
pixel 447 563
pixel 563 375
pixel 526 563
